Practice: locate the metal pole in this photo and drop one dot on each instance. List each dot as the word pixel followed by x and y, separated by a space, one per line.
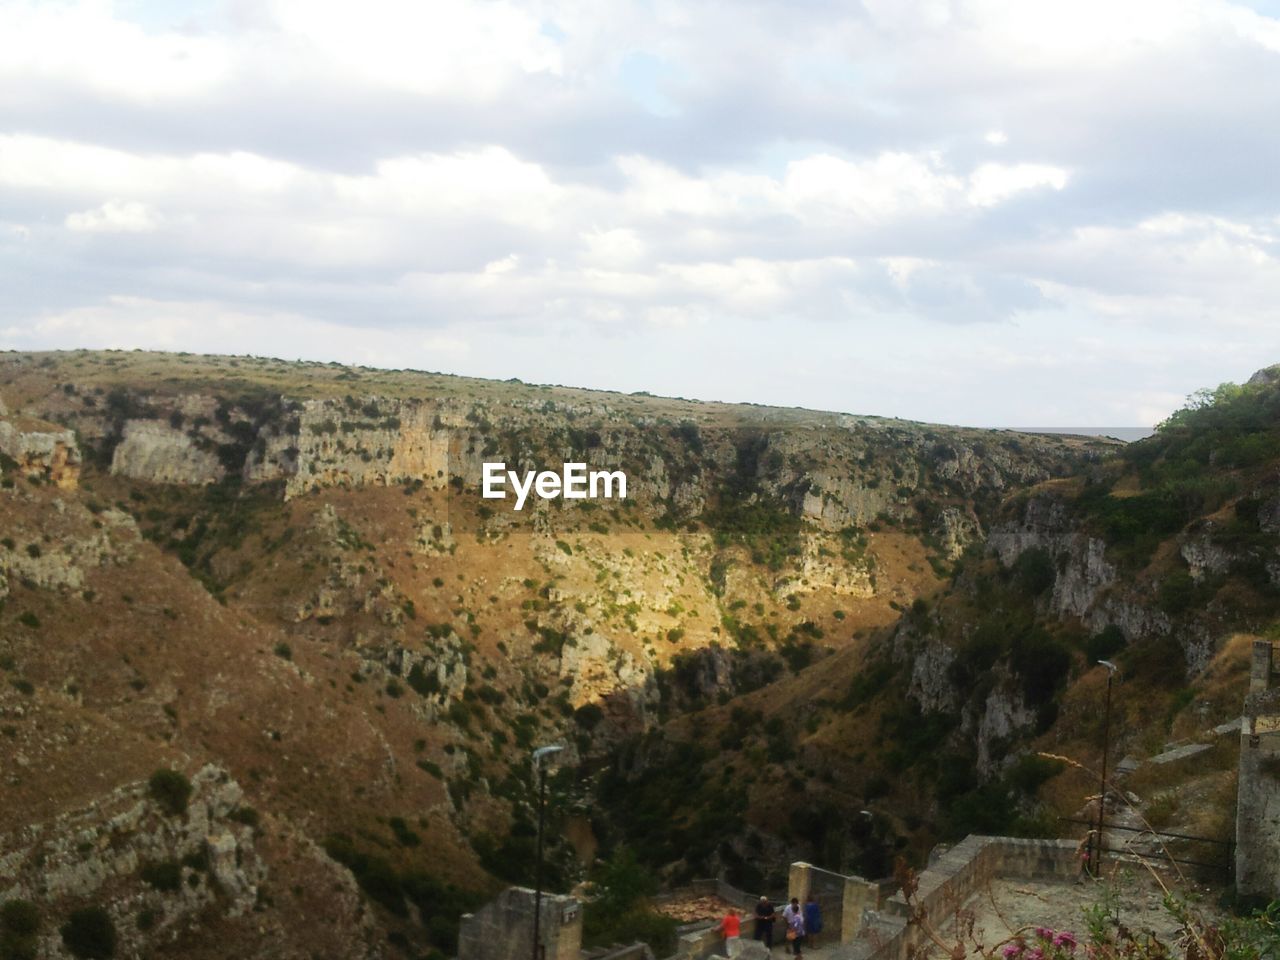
pixel 537 888
pixel 538 756
pixel 1102 784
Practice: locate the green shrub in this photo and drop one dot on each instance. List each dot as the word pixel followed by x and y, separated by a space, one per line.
pixel 171 790
pixel 29 619
pixel 1161 809
pixel 21 917
pixel 90 934
pixel 422 682
pixel 165 875
pixel 621 911
pixel 284 651
pixel 588 716
pixel 432 768
pixel 404 836
pixel 1102 645
pixel 19 926
pixel 375 876
pixel 246 815
pixel 1034 571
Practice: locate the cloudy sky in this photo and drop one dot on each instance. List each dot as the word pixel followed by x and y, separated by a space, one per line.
pixel 967 211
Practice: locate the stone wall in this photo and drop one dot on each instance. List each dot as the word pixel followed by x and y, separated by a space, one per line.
pixel 636 951
pixel 698 941
pixel 842 899
pixel 503 928
pixel 946 885
pixel 1258 807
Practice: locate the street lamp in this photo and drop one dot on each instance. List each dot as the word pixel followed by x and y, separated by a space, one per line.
pixel 538 756
pixel 1096 841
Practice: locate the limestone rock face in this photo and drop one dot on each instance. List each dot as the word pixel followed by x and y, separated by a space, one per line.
pixel 100 852
pixel 822 568
pixel 1204 557
pixel 61 565
pixel 1088 585
pixel 381 442
pixel 931 684
pixel 1004 715
pixel 41 451
pixel 153 450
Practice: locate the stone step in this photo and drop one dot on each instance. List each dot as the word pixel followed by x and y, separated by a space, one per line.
pixel 1182 753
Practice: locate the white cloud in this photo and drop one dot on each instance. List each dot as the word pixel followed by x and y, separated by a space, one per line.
pixel 475 181
pixel 88 46
pixel 993 183
pixel 114 216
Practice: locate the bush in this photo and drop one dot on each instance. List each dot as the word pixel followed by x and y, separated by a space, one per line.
pixel 19 924
pixel 376 877
pixel 89 934
pixel 165 876
pixel 21 917
pixel 1034 572
pixel 404 835
pixel 621 912
pixel 171 790
pixel 588 716
pixel 246 815
pixel 1102 645
pixel 423 683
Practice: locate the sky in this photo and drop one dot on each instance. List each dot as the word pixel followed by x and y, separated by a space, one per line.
pixel 963 211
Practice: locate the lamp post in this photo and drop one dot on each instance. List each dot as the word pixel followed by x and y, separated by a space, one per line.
pixel 538 756
pixel 1096 841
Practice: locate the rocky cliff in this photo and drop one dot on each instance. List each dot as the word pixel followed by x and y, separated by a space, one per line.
pixel 287 572
pixel 38 451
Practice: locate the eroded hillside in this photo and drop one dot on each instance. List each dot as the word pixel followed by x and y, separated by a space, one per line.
pixel 284 573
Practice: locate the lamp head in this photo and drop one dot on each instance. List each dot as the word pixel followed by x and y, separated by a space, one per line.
pixel 1111 667
pixel 546 751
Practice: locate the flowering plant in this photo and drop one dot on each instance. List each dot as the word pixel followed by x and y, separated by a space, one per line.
pixel 1044 944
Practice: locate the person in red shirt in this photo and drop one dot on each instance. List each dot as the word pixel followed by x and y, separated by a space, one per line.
pixel 731 927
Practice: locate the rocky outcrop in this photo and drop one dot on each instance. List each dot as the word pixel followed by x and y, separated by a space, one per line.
pixel 931 684
pixel 1204 557
pixel 41 451
pixel 153 450
pixel 1087 585
pixel 129 853
pixel 1003 717
pixel 382 442
pixel 62 563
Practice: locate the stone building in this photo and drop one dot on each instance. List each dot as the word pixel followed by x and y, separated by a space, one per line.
pixel 1258 809
pixel 503 928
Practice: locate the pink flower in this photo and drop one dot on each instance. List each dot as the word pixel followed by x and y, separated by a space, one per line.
pixel 1012 951
pixel 1035 953
pixel 1044 933
pixel 1065 939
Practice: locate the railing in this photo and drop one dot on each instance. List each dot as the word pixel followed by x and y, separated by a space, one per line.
pixel 1226 865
